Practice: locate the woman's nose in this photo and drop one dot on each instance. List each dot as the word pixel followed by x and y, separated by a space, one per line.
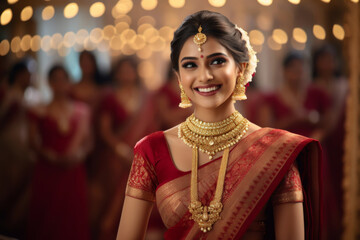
pixel 205 74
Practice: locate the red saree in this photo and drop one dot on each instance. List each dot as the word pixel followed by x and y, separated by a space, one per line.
pixel 257 165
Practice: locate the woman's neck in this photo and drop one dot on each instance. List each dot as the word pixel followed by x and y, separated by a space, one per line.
pixel 214 115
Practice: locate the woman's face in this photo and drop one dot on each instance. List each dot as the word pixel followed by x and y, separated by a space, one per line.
pixel 60 83
pixel 208 77
pixel 126 74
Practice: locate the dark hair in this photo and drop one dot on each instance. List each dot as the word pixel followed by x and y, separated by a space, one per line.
pixel 98 77
pixel 17 69
pixel 54 69
pixel 322 51
pixel 291 57
pixel 213 24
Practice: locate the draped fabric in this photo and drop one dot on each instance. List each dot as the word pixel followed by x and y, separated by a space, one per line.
pixel 261 169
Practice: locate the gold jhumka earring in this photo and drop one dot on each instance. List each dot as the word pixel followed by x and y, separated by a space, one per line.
pixel 199 38
pixel 239 91
pixel 185 101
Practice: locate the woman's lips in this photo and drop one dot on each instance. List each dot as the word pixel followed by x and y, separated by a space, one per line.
pixel 207 90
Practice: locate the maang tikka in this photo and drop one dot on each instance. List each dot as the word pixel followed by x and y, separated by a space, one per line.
pixel 239 91
pixel 199 38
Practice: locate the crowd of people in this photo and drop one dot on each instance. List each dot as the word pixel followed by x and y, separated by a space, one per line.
pixel 65 164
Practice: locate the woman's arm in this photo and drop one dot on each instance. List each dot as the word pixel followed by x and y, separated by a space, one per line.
pixel 289 221
pixel 134 219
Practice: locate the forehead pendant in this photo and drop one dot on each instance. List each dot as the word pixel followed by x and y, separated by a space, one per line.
pixel 199 38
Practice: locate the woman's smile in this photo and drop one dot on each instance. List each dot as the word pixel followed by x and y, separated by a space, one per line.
pixel 208 90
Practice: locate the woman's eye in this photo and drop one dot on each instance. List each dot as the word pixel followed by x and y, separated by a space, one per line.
pixel 218 61
pixel 189 65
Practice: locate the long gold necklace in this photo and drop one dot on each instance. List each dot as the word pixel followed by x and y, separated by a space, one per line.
pixel 228 129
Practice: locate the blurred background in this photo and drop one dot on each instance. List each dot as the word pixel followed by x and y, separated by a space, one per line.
pixel 81 82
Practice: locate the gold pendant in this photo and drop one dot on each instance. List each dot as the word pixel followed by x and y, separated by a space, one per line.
pixel 205 216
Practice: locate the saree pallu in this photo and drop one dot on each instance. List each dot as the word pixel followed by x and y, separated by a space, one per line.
pixel 256 170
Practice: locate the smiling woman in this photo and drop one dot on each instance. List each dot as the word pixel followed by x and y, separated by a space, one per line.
pixel 217 175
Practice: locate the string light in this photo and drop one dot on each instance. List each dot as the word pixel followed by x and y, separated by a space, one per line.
pixel 6 16
pixel 97 9
pixel 217 3
pixel 279 36
pixel 149 4
pixel 338 31
pixel 15 44
pixel 71 10
pixel 4 47
pixel 299 35
pixel 177 3
pixel 319 32
pixel 25 43
pixel 26 13
pixel 48 13
pixel 35 44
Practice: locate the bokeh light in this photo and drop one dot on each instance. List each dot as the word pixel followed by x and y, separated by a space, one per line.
pixel 25 43
pixel 26 13
pixel 96 35
pixel 319 32
pixel 122 7
pixel 265 2
pixel 279 36
pixel 81 35
pixel 338 31
pixel 97 9
pixel 295 2
pixel 35 44
pixel 273 45
pixel 48 13
pixel 15 44
pixel 177 3
pixel 4 47
pixel 109 31
pixel 149 4
pixel 6 16
pixel 256 37
pixel 46 43
pixel 12 1
pixel 299 35
pixel 69 39
pixel 56 40
pixel 71 10
pixel 217 3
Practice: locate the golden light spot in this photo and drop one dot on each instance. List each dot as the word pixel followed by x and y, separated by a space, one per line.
pixel 81 35
pixel 138 42
pixel 63 51
pixel 157 43
pixel 144 53
pixel 4 47
pixel 122 7
pixel 97 9
pixel 116 43
pixel 6 16
pixel 217 3
pixel 149 4
pixel 146 19
pixel 48 13
pixel 12 1
pixel 127 49
pixel 15 44
pixel 109 31
pixel 123 18
pixel 295 2
pixel 103 46
pixel 167 33
pixel 326 1
pixel 26 13
pixel 25 43
pixel 127 35
pixel 121 26
pixel 35 43
pixel 150 33
pixel 46 43
pixel 319 32
pixel 71 10
pixel 89 45
pixel 142 28
pixel 338 31
pixel 273 45
pixel 279 36
pixel 56 39
pixel 256 37
pixel 177 3
pixel 69 39
pixel 265 2
pixel 299 35
pixel 96 35
pixel 355 1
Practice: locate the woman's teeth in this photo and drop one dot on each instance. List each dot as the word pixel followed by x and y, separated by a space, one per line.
pixel 210 89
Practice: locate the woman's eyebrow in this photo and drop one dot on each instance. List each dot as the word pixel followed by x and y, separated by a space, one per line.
pixel 216 54
pixel 188 58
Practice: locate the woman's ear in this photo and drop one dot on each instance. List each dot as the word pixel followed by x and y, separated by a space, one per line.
pixel 241 68
pixel 177 76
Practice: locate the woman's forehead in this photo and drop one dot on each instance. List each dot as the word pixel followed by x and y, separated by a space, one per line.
pixel 212 45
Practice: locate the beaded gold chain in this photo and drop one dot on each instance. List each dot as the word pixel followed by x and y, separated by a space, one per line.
pixel 212 138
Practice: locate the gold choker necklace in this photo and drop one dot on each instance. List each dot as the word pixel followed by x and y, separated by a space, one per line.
pixel 212 138
pixel 228 132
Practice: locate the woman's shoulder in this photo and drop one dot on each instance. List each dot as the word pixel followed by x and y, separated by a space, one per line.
pixel 151 141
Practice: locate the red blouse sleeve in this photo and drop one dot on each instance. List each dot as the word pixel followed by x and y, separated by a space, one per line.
pixel 142 181
pixel 289 189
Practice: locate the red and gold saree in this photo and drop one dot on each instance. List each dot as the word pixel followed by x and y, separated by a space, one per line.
pixel 261 168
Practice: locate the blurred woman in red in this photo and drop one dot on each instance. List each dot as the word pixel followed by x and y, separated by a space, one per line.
pixel 59 134
pixel 125 115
